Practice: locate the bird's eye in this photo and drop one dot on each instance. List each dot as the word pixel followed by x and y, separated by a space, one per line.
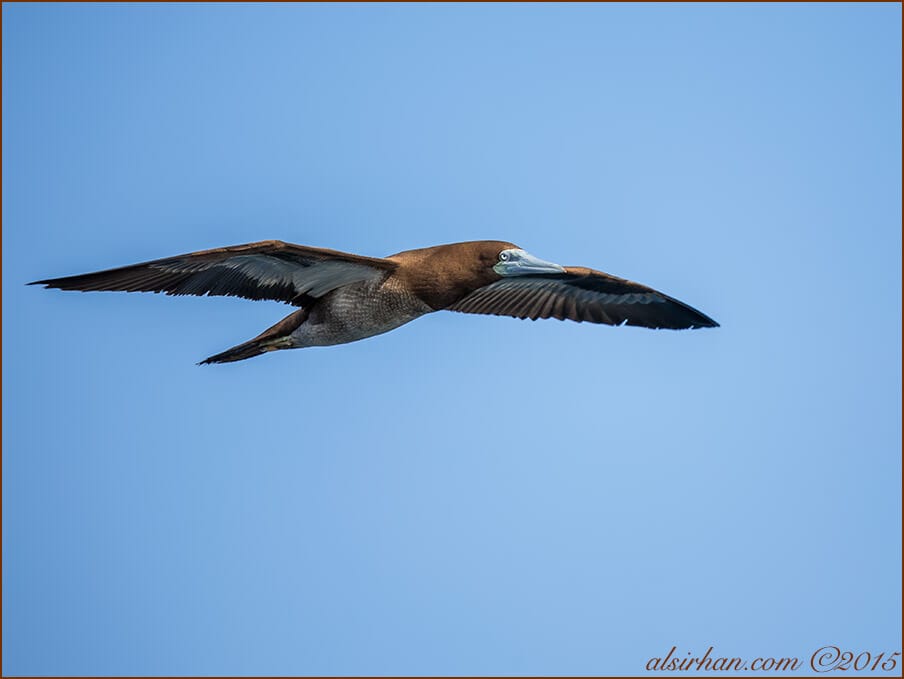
pixel 504 256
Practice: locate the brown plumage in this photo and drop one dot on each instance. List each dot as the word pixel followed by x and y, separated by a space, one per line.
pixel 344 297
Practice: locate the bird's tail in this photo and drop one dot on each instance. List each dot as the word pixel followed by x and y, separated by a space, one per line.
pixel 272 339
pixel 239 352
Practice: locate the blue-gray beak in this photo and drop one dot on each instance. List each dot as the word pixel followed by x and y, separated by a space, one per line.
pixel 520 263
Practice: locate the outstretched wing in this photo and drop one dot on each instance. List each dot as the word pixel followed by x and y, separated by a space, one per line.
pixel 582 294
pixel 265 270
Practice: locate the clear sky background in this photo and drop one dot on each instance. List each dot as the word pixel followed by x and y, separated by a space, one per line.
pixel 466 494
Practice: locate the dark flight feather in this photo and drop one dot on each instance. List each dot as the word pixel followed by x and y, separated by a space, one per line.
pixel 580 295
pixel 272 270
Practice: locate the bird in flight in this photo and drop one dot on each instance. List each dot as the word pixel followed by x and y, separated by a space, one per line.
pixel 344 297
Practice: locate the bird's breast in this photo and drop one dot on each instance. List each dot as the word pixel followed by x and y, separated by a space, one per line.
pixel 357 311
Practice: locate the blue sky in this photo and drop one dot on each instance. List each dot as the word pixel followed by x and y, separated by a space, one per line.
pixel 467 494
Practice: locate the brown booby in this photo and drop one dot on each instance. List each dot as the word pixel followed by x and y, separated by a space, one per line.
pixel 344 297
